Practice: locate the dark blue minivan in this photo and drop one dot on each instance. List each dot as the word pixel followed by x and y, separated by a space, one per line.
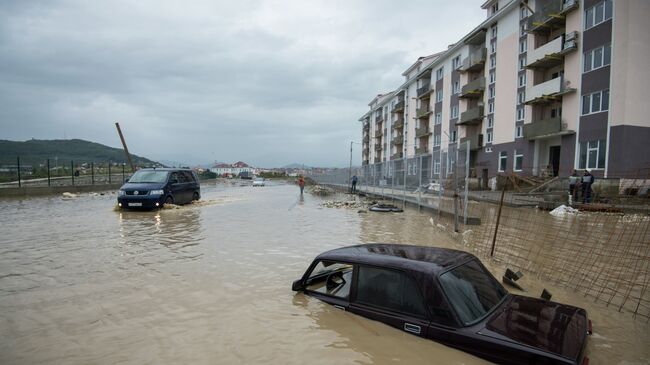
pixel 153 188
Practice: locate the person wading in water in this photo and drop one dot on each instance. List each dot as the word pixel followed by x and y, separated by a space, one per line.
pixel 301 183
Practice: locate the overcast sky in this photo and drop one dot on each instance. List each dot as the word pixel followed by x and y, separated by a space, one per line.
pixel 266 82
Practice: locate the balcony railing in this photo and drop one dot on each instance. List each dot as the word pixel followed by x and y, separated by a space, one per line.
pixel 379 117
pixel 548 91
pixel 421 150
pixel 398 107
pixel 422 131
pixel 475 61
pixel 377 147
pixel 424 90
pixel 475 142
pixel 398 124
pixel 472 116
pixel 397 156
pixel 552 53
pixel 549 13
pixel 379 133
pixel 398 139
pixel 422 112
pixel 545 128
pixel 473 89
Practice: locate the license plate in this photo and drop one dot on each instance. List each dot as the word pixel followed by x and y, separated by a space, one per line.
pixel 135 204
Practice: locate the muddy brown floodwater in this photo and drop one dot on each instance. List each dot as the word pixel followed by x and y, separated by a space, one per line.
pixel 210 283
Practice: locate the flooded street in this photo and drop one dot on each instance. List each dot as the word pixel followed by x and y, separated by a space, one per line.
pixel 211 283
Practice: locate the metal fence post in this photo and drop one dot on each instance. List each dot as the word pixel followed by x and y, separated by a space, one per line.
pixel 48 172
pixel 92 173
pixel 456 191
pixel 72 171
pixel 109 172
pixel 404 190
pixel 123 173
pixel 419 183
pixel 18 166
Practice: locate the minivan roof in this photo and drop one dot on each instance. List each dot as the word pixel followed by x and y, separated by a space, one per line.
pixel 431 260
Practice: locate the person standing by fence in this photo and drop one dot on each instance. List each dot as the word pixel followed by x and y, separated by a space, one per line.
pixel 587 181
pixel 574 179
pixel 354 184
pixel 301 183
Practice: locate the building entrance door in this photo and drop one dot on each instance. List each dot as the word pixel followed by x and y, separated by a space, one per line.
pixel 554 159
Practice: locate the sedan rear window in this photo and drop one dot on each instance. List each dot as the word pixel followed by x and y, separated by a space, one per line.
pixel 472 291
pixel 149 177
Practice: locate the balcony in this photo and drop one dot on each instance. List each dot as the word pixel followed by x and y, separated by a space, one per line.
pixel 398 124
pixel 475 142
pixel 398 140
pixel 473 89
pixel 552 53
pixel 422 113
pixel 377 147
pixel 545 128
pixel 475 61
pixel 365 162
pixel 425 90
pixel 422 131
pixel 397 156
pixel 421 150
pixel 379 118
pixel 377 159
pixel 379 133
pixel 366 126
pixel 548 91
pixel 398 107
pixel 366 138
pixel 471 116
pixel 550 14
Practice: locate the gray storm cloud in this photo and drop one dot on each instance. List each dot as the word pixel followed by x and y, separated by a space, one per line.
pixel 267 82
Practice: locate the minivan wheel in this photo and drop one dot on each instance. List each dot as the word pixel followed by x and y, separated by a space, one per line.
pixel 169 200
pixel 195 196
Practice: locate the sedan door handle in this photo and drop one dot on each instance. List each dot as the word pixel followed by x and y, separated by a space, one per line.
pixel 408 327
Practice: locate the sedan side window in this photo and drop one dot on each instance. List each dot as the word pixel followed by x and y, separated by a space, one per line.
pixel 330 278
pixel 389 289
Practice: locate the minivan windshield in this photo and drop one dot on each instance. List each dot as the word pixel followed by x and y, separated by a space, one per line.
pixel 149 176
pixel 472 291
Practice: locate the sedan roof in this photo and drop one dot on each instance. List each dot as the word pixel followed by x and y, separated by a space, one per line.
pixel 407 257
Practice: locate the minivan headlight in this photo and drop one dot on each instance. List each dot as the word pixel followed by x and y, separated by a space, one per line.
pixel 121 192
pixel 157 192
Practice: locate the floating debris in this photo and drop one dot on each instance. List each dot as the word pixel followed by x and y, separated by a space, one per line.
pixel 385 208
pixel 67 195
pixel 342 204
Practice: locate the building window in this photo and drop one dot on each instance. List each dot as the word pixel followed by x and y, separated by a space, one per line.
pixel 592 154
pixel 494 8
pixel 523 13
pixel 456 88
pixel 503 161
pixel 521 97
pixel 520 114
pixel 522 63
pixel 436 140
pixel 436 167
pixel 489 137
pixel 598 14
pixel 493 47
pixel 493 61
pixel 439 73
pixel 523 46
pixel 490 121
pixel 438 95
pixel 519 160
pixel 491 92
pixel 522 80
pixel 453 136
pixel 519 131
pixel 597 58
pixel 522 30
pixel 494 31
pixel 454 111
pixel 493 76
pixel 488 149
pixel 491 107
pixel 455 63
pixel 595 102
pixel 438 118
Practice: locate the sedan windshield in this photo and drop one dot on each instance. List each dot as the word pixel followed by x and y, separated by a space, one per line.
pixel 149 176
pixel 472 291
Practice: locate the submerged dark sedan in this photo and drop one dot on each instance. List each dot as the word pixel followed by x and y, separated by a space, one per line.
pixel 447 296
pixel 153 188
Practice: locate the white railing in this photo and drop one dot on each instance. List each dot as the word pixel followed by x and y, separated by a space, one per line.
pixel 552 47
pixel 551 87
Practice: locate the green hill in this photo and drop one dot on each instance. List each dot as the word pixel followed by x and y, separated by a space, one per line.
pixel 36 152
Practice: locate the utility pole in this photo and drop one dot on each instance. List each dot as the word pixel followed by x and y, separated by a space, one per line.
pixel 350 171
pixel 126 149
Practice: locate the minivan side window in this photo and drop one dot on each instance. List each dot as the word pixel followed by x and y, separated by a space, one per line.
pixel 389 289
pixel 188 176
pixel 173 178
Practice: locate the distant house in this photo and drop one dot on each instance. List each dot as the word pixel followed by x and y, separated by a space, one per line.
pixel 232 169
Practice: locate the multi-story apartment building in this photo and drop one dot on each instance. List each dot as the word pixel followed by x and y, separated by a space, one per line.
pixel 540 87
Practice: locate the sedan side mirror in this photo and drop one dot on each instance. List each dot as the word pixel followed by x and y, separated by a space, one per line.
pixel 297 285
